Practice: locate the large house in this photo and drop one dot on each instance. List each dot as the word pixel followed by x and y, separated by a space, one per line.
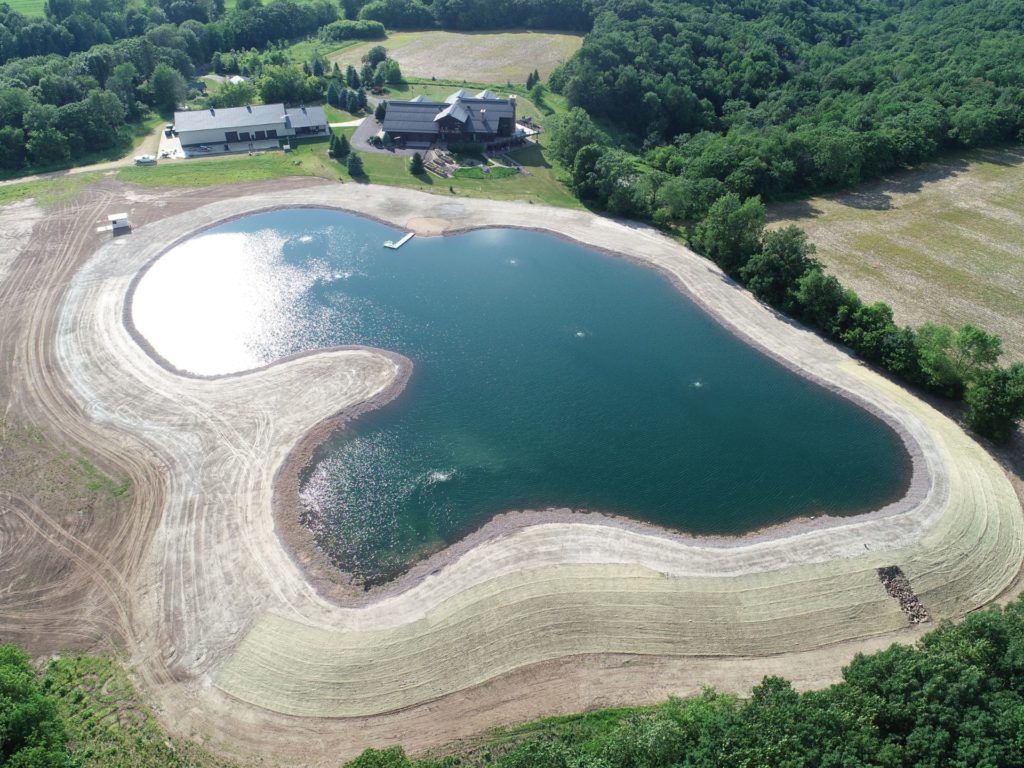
pixel 484 118
pixel 252 123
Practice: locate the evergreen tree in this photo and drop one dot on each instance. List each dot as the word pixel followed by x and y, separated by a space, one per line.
pixel 351 101
pixel 354 166
pixel 361 94
pixel 380 111
pixel 334 94
pixel 530 81
pixel 352 77
pixel 416 165
pixel 341 146
pixel 332 146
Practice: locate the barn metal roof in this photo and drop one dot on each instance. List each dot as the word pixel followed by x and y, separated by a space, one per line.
pixel 229 118
pixel 306 117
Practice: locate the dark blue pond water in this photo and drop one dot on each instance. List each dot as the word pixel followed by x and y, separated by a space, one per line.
pixel 546 375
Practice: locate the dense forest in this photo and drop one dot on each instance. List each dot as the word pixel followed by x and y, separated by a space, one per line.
pixel 777 97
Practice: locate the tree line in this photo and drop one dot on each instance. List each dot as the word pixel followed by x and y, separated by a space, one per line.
pixel 569 15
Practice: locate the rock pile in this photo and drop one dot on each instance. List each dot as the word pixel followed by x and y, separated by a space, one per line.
pixel 898 587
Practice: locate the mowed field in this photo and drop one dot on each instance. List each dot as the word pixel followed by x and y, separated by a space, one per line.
pixel 944 243
pixel 27 7
pixel 477 57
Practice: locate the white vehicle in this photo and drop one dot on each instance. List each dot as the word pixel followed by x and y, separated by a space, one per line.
pixel 145 160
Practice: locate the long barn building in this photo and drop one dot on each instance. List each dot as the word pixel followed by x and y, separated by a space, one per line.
pixel 256 122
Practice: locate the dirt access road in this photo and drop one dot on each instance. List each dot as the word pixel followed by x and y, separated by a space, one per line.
pixel 148 146
pixel 235 644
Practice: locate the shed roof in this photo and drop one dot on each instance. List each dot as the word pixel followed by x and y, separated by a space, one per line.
pixel 306 117
pixel 232 117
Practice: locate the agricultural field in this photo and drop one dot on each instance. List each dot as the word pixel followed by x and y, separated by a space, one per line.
pixel 941 243
pixel 478 57
pixel 27 7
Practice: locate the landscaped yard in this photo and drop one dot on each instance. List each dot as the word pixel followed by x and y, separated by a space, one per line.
pixel 538 182
pixel 941 243
pixel 477 57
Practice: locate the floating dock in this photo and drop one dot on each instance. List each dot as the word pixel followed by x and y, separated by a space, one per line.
pixel 400 243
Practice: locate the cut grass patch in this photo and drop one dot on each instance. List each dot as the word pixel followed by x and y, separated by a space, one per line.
pixel 480 57
pixel 537 184
pixel 941 243
pixel 305 159
pixel 47 192
pixel 30 8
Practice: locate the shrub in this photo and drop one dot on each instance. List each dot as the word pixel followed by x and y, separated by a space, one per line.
pixel 363 29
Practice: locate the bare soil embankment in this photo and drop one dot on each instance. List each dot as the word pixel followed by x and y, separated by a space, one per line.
pixel 236 644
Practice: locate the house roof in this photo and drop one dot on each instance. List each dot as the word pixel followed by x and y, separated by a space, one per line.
pixel 479 115
pixel 490 95
pixel 306 117
pixel 455 109
pixel 230 118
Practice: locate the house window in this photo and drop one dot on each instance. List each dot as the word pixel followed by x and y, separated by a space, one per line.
pixel 272 134
pixel 261 135
pixel 244 136
pixel 231 136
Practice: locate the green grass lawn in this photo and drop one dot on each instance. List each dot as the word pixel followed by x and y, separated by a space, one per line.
pixel 537 184
pixel 27 7
pixel 304 50
pixel 335 115
pixel 47 191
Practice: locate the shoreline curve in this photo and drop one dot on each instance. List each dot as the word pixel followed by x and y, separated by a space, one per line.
pixel 343 587
pixel 224 615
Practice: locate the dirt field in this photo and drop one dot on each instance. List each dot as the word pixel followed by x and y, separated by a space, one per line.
pixel 942 244
pixel 476 57
pixel 236 646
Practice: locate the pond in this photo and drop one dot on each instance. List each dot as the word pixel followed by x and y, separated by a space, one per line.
pixel 546 375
